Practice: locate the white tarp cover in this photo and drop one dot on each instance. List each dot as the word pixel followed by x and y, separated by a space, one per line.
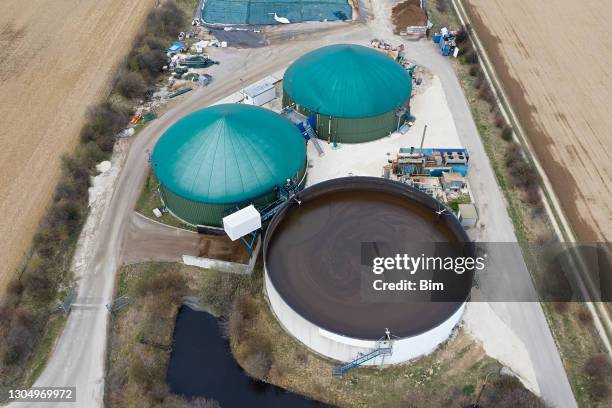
pixel 242 222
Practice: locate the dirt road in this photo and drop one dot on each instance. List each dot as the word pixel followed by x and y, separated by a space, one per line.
pixel 555 59
pixel 56 59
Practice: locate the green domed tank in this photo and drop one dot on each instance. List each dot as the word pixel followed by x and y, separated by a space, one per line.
pixel 354 91
pixel 225 157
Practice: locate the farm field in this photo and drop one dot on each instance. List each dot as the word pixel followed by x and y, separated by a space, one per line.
pixel 56 59
pixel 555 60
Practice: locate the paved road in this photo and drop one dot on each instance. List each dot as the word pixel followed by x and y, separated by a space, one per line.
pixel 80 354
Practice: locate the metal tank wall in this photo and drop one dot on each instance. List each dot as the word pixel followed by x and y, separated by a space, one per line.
pixel 346 349
pixel 200 213
pixel 349 130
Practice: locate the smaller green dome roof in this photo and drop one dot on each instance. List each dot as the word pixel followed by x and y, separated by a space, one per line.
pixel 228 154
pixel 347 81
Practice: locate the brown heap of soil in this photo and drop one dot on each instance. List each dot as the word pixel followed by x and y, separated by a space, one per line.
pixel 408 13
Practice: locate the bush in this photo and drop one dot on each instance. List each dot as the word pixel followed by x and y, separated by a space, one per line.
pixel 485 92
pixel 151 63
pixel 131 85
pixel 584 315
pixel 506 133
pixel 470 56
pixel 600 390
pixel 499 121
pixel 258 365
pixel 533 195
pixel 442 6
pixel 171 285
pixel 560 307
pixel 104 122
pixel 240 319
pixel 474 70
pixel 155 43
pixel 76 173
pixel 165 21
pixel 508 392
pixel 20 337
pixel 258 357
pixel 40 286
pixel 461 36
pixel 598 367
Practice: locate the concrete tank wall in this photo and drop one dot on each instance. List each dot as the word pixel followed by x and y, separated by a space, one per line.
pixel 345 349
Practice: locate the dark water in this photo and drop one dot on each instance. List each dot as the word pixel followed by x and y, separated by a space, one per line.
pixel 333 226
pixel 201 365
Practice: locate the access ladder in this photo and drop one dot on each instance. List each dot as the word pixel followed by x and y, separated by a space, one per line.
pixel 380 351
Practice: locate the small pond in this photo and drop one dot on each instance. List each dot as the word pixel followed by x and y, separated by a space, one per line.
pixel 202 365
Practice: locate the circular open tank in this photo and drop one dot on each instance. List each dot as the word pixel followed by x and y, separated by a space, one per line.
pixel 313 258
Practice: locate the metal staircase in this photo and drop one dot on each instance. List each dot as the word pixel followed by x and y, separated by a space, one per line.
pixel 380 351
pixel 308 133
pixel 312 136
pixel 384 347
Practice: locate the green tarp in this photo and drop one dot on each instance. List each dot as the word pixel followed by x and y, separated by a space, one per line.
pixel 261 11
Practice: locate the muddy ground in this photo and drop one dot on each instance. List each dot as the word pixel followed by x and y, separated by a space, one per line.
pixel 56 59
pixel 556 63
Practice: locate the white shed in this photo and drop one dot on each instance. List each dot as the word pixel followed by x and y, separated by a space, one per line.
pixel 259 94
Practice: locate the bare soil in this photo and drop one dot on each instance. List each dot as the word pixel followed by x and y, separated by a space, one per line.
pixel 56 59
pixel 555 69
pixel 408 13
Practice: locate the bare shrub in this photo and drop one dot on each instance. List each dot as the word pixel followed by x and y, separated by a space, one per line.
pixel 20 337
pixel 480 79
pixel 155 43
pixel 470 56
pixel 474 69
pixel 151 62
pixel 14 288
pixel 202 402
pixel 533 195
pixel 508 392
pixel 499 121
pixel 76 172
pixel 258 365
pixel 600 390
pixel 506 133
pixel 302 356
pixel 40 286
pixel 131 85
pixel 165 21
pixel 240 318
pixel 560 307
pixel 104 122
pixel 442 6
pixel 461 36
pixel 171 285
pixel 486 94
pixel 258 357
pixel 584 315
pixel 598 367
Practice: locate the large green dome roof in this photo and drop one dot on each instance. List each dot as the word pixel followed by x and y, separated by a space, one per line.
pixel 347 81
pixel 228 154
